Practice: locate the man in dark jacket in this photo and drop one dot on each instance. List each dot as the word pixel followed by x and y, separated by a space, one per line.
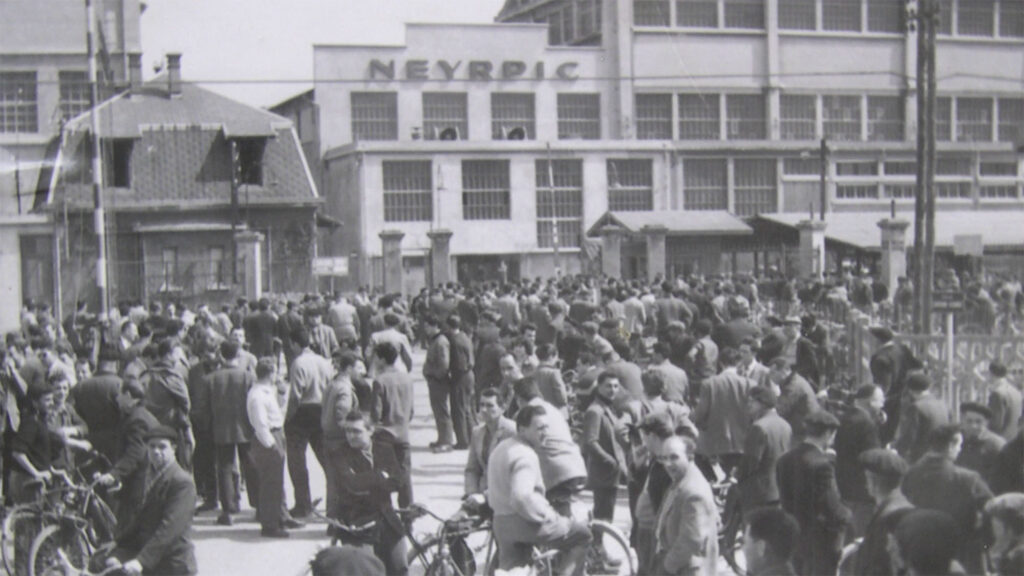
pixel 981 445
pixel 767 440
pixel 260 328
pixel 134 424
pixel 435 372
pixel 924 413
pixel 95 401
pixel 462 378
pixel 770 542
pixel 890 365
pixel 604 433
pixel 808 491
pixel 167 398
pixel 858 432
pixel 156 542
pixel 1008 468
pixel 884 470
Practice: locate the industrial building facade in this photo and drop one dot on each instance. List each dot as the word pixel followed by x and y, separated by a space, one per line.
pixel 520 137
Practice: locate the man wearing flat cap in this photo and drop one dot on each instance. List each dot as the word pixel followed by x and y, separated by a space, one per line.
pixel 883 471
pixel 981 445
pixel 156 541
pixel 808 491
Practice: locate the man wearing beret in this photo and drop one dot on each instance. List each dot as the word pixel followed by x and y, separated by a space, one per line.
pixel 156 541
pixel 883 471
pixel 981 445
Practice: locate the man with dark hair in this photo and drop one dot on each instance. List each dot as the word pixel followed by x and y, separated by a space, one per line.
pixel 461 376
pixel 1008 468
pixel 308 377
pixel 883 472
pixel 167 398
pixel 603 433
pixel 393 410
pixel 260 328
pixel 808 491
pixel 1005 401
pixel 267 452
pixel 676 381
pixel 687 525
pixel 796 397
pixel 768 438
pixel 435 372
pixel 721 415
pixel 935 482
pixel 322 339
pixel 926 541
pixel 393 335
pixel 549 378
pixel 770 542
pixel 925 413
pixel 858 432
pixel 702 360
pixel 339 400
pixel 493 429
pixel 890 365
pixel 95 399
pixel 981 445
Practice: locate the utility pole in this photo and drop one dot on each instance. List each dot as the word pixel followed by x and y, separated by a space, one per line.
pixel 823 187
pixel 99 219
pixel 236 180
pixel 924 196
pixel 930 14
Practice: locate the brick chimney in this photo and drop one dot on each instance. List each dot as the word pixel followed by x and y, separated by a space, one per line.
pixel 134 71
pixel 174 74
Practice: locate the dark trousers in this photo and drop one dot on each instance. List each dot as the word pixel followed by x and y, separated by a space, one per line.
pixel 604 502
pixel 440 391
pixel 818 552
pixel 463 408
pixel 301 431
pixel 229 456
pixel 204 465
pixel 404 455
pixel 334 449
pixel 267 481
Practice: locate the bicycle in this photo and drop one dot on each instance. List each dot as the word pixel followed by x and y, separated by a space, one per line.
pixel 732 528
pixel 64 567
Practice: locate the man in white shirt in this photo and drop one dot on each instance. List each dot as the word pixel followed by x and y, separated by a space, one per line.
pixel 267 452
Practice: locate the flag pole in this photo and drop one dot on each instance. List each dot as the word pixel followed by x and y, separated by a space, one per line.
pixel 99 220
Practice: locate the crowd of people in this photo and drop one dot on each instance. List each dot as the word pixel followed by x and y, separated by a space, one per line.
pixel 672 389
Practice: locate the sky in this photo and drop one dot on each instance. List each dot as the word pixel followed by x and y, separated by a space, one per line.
pixel 272 40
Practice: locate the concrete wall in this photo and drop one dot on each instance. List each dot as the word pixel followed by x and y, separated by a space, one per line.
pixel 11 289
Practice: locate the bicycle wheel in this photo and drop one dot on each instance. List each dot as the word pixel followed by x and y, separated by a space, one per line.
pixel 20 527
pixel 102 523
pixel 610 552
pixel 730 543
pixel 58 550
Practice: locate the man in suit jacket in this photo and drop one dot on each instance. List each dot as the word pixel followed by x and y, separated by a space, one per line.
pixel 981 445
pixel 227 391
pixel 808 491
pixel 858 432
pixel 721 414
pixel 157 541
pixel 668 309
pixel 687 524
pixel 677 383
pixel 890 365
pixel 95 400
pixel 1004 400
pixel 492 430
pixel 767 440
pixel 923 414
pixel 770 542
pixel 128 466
pixel 549 379
pixel 260 328
pixel 463 381
pixel 738 328
pixel 393 411
pixel 884 470
pixel 796 397
pixel 937 483
pixel 604 432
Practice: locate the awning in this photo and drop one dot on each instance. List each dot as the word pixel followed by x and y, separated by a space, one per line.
pixel 1004 228
pixel 675 222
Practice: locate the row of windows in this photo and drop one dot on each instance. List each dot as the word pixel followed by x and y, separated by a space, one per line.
pixel 577 21
pixel 987 18
pixel 19 99
pixel 446 116
pixel 951 190
pixel 808 117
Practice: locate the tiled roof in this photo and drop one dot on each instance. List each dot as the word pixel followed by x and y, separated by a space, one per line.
pixel 676 222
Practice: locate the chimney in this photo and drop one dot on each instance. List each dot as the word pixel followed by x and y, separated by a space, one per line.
pixel 134 71
pixel 174 74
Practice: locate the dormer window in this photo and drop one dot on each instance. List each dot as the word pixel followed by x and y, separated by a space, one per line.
pixel 248 160
pixel 117 162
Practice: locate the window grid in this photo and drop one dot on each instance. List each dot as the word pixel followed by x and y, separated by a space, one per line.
pixel 841 117
pixel 865 168
pixel 887 16
pixel 953 190
pixel 746 14
pixel 801 167
pixel 857 191
pixel 705 184
pixel 975 17
pixel 1007 169
pixel 841 15
pixel 746 117
pixel 1004 192
pixel 586 18
pixel 900 191
pixel 579 116
pixel 945 25
pixel 654 116
pixel 18 102
pixel 651 13
pixel 1011 19
pixel 797 120
pixel 797 15
pixel 974 119
pixel 885 118
pixel 568 25
pixel 560 205
pixel 901 168
pixel 443 110
pixel 697 13
pixel 699 117
pixel 74 93
pixel 375 116
pixel 486 193
pixel 1011 119
pixel 630 185
pixel 554 29
pixel 755 187
pixel 408 191
pixel 943 122
pixel 510 111
pixel 953 166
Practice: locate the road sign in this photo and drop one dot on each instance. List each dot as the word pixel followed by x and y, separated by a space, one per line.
pixel 331 266
pixel 968 245
pixel 947 301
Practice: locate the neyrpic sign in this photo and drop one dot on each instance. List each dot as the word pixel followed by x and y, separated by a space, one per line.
pixel 968 245
pixel 473 70
pixel 947 301
pixel 332 266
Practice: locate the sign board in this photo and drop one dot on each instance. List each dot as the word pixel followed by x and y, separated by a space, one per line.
pixel 968 245
pixel 331 266
pixel 947 301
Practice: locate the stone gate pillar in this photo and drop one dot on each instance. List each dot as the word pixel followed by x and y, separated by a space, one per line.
pixel 894 252
pixel 250 261
pixel 391 252
pixel 611 250
pixel 440 256
pixel 812 248
pixel 655 236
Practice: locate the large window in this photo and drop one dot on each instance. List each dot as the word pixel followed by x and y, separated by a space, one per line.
pixel 579 116
pixel 886 15
pixel 445 116
pixel 651 13
pixel 374 116
pixel 74 93
pixel 797 117
pixel 744 14
pixel 218 269
pixel 485 190
pixel 249 160
pixel 697 13
pixel 756 187
pixel 512 116
pixel 841 117
pixel 169 270
pixel 797 14
pixel 1011 120
pixel 630 185
pixel 559 206
pixel 974 119
pixel 654 116
pixel 18 104
pixel 117 162
pixel 699 117
pixel 943 119
pixel 588 21
pixel 745 117
pixel 705 184
pixel 975 17
pixel 1011 18
pixel 885 118
pixel 408 191
pixel 841 15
